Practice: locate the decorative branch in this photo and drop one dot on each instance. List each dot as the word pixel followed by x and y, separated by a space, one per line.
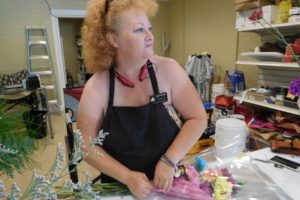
pixel 43 187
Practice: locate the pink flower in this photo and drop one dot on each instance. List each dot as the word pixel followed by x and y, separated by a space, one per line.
pixel 192 174
pixel 207 187
pixel 215 183
pixel 256 15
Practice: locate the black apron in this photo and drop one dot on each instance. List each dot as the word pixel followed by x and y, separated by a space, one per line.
pixel 138 136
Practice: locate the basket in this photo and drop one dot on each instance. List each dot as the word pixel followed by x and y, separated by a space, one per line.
pixel 263 98
pixel 35 122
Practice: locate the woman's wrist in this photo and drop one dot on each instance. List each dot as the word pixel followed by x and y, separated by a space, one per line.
pixel 168 161
pixel 125 176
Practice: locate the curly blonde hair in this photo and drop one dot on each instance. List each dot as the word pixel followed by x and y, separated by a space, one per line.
pixel 97 52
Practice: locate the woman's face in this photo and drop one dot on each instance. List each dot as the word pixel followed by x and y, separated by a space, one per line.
pixel 134 38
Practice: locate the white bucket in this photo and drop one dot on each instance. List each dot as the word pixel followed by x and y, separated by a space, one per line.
pixel 231 135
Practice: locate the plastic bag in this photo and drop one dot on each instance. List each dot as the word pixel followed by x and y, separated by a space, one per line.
pixel 248 181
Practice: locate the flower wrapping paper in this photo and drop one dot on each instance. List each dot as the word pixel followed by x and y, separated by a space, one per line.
pixel 249 182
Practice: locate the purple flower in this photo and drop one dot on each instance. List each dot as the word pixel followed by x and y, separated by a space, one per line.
pixel 225 172
pixel 294 87
pixel 207 187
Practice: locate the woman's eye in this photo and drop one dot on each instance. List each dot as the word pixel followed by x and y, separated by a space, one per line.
pixel 139 30
pixel 150 29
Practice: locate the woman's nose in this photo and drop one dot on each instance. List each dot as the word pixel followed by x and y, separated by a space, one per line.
pixel 149 35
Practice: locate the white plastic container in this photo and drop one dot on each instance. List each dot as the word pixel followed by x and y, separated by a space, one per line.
pixel 231 136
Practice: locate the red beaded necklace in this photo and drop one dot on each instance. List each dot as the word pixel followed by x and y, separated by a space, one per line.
pixel 126 82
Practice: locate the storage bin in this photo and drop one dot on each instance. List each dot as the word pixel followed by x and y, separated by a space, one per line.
pixel 242 5
pixel 258 96
pixel 243 21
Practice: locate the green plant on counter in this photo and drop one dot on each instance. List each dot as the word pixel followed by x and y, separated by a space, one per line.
pixel 16 146
pixel 43 187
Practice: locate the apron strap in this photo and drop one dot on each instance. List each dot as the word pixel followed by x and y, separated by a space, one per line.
pixel 111 87
pixel 152 77
pixel 112 83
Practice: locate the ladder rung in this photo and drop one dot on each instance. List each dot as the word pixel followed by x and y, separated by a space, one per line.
pixel 49 87
pixel 42 72
pixel 39 57
pixel 52 101
pixel 36 27
pixel 40 62
pixel 39 42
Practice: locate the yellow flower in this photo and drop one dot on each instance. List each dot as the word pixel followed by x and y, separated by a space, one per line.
pixel 222 188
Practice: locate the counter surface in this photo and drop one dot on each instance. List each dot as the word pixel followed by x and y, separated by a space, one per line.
pixel 286 179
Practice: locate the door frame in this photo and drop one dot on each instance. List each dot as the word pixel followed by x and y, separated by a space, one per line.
pixel 59 59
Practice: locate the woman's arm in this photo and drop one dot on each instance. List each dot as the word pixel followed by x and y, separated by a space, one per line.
pixel 186 101
pixel 90 119
pixel 93 104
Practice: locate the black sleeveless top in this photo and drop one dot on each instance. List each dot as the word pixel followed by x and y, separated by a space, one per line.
pixel 138 136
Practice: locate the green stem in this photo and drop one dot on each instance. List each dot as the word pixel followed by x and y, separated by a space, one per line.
pixel 278 35
pixel 28 189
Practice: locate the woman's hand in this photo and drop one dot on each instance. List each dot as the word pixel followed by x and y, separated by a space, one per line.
pixel 138 184
pixel 163 176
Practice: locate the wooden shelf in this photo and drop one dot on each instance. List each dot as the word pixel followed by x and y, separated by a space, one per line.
pixel 271 64
pixel 271 106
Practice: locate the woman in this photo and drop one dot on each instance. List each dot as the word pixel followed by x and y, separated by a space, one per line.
pixel 128 96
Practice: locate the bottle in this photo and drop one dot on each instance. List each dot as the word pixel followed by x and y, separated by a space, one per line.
pixel 238 81
pixel 228 85
pixel 282 14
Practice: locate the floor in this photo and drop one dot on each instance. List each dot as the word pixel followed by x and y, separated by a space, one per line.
pixel 46 155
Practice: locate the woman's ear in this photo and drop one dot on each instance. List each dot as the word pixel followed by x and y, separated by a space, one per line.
pixel 111 38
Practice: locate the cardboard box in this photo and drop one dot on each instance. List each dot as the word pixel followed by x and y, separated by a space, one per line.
pixel 242 5
pixel 242 21
pixel 201 145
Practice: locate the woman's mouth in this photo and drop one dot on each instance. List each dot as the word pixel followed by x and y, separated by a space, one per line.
pixel 149 45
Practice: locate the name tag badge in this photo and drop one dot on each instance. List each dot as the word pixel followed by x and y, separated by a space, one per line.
pixel 159 98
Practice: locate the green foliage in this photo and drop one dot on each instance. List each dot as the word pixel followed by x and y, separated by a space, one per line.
pixel 102 189
pixel 14 136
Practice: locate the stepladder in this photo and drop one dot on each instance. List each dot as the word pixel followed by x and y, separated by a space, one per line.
pixel 40 62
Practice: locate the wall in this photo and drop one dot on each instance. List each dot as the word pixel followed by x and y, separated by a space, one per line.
pixel 209 25
pixel 247 42
pixel 15 15
pixel 160 24
pixel 192 26
pixel 177 32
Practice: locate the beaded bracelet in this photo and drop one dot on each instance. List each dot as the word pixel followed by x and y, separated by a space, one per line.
pixel 169 162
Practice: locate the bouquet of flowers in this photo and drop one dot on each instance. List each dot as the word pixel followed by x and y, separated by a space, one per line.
pixel 197 183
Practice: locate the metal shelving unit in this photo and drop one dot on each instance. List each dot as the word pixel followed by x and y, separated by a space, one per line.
pixel 284 28
pixel 283 106
pixel 271 64
pixel 273 72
